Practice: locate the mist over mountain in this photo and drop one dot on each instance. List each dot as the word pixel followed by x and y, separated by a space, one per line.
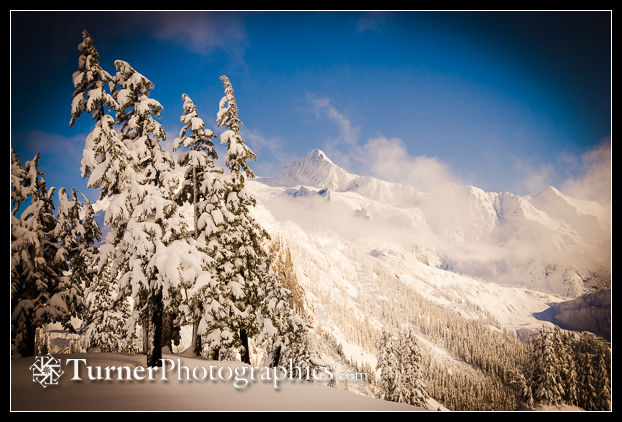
pixel 547 241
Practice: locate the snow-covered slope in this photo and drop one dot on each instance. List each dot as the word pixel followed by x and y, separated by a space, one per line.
pixel 374 256
pixel 175 394
pixel 341 246
pixel 365 268
pixel 547 241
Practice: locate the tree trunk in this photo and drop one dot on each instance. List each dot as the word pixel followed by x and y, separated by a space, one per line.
pixel 214 354
pixel 276 357
pixel 197 346
pixel 145 326
pixel 154 345
pixel 245 353
pixel 196 338
pixel 194 202
pixel 27 345
pixel 170 332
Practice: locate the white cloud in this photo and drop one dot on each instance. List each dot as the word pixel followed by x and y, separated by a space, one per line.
pixel 347 131
pixel 389 159
pixel 532 178
pixel 591 171
pixel 55 144
pixel 595 181
pixel 382 157
pixel 202 32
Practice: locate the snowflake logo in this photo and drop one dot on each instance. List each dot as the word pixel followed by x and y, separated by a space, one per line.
pixel 46 370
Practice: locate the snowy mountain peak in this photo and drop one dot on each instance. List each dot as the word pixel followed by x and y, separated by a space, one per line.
pixel 553 190
pixel 316 170
pixel 555 202
pixel 318 155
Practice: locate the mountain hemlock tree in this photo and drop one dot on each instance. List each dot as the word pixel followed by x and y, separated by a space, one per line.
pixel 108 164
pixel 238 268
pixel 522 388
pixel 589 398
pixel 256 304
pixel 603 384
pixel 203 188
pixel 399 363
pixel 41 291
pixel 154 222
pixel 568 370
pixel 133 173
pixel 105 323
pixel 20 185
pixel 77 232
pixel 593 362
pixel 89 82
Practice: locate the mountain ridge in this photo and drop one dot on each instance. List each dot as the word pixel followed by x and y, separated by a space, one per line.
pixel 571 235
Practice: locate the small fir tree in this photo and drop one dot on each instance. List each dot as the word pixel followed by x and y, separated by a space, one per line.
pixel 399 363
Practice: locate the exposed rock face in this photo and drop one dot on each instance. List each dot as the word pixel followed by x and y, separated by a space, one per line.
pixel 590 312
pixel 283 267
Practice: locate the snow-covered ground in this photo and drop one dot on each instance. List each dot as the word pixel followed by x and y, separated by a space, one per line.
pixel 555 408
pixel 174 394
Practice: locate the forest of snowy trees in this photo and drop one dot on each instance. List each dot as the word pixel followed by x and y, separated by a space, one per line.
pixel 465 363
pixel 221 273
pixel 153 272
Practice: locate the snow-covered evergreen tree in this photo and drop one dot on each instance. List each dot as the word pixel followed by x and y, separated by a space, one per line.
pixel 20 185
pixel 202 187
pixel 522 387
pixel 89 83
pixel 154 222
pixel 568 370
pixel 238 153
pixel 90 95
pixel 399 362
pixel 22 328
pixel 602 383
pixel 198 159
pixel 588 396
pixel 547 377
pixel 109 166
pixel 593 363
pixel 76 232
pixel 254 302
pixel 243 253
pixel 105 323
pixel 40 288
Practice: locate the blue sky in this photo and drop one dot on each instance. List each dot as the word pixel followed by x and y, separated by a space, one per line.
pixel 506 101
